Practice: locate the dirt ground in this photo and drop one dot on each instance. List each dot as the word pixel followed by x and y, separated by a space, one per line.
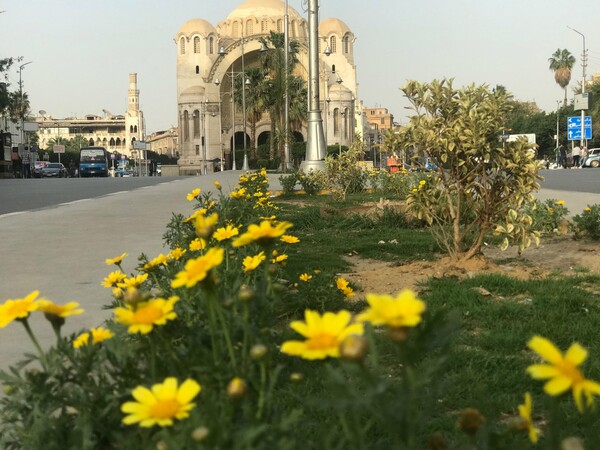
pixel 561 254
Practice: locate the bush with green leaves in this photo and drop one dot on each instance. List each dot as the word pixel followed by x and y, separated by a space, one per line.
pixel 548 216
pixel 588 222
pixel 288 182
pixel 480 183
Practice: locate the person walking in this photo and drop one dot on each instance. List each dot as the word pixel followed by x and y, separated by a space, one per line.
pixel 584 153
pixel 576 156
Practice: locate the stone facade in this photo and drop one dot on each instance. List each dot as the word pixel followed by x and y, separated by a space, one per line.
pixel 164 142
pixel 208 57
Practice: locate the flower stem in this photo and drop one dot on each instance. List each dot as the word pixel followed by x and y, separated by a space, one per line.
pixel 35 343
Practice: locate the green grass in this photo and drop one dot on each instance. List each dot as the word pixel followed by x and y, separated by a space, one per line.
pixel 486 366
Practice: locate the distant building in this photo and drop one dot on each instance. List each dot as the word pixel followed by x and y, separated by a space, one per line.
pixel 164 142
pixel 209 56
pixel 379 118
pixel 114 132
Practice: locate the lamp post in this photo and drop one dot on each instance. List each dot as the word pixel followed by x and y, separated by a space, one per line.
pixel 557 129
pixel 583 66
pixel 339 81
pixel 286 39
pixel 315 145
pixel 22 134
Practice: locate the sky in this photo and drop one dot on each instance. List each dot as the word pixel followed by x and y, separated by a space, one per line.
pixel 83 51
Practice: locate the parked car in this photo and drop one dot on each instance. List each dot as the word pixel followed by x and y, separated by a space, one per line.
pixel 57 170
pixel 158 169
pixel 37 168
pixel 593 158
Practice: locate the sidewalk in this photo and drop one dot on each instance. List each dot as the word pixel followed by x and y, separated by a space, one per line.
pixel 575 202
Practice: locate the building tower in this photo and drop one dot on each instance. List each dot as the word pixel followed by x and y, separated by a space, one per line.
pixel 134 117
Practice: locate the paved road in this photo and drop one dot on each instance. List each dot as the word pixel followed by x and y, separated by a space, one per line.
pixel 60 250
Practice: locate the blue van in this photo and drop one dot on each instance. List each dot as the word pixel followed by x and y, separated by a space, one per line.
pixel 93 162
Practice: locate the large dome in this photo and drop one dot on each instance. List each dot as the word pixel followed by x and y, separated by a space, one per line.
pixel 336 26
pixel 262 8
pixel 200 26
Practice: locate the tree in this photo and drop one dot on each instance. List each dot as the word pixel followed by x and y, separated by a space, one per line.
pixel 255 100
pixel 561 62
pixel 273 63
pixel 479 184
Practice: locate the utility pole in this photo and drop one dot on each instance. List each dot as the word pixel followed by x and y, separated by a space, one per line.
pixel 583 66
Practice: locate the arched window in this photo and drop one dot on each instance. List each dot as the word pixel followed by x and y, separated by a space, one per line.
pixel 280 25
pixel 264 26
pixel 196 44
pixel 235 29
pixel 135 128
pixel 336 122
pixel 197 69
pixel 346 44
pixel 333 44
pixel 346 122
pixel 249 27
pixel 182 46
pixel 131 128
pixel 118 142
pixel 211 45
pixel 132 140
pixel 196 116
pixel 186 126
pixel 112 142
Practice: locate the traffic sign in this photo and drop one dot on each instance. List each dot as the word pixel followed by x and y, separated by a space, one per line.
pixel 58 148
pixel 574 128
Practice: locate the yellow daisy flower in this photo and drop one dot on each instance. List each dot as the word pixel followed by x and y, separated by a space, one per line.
pixel 525 411
pixel 113 279
pixel 240 193
pixel 587 209
pixel 159 260
pixel 176 253
pixel 197 213
pixel 403 311
pixel 560 202
pixel 51 308
pixel 289 239
pixel 98 335
pixel 323 334
pixel 162 404
pixel 14 309
pixel 225 233
pixel 217 185
pixel 562 371
pixel 250 263
pixel 146 315
pixel 118 260
pixel 193 195
pixel 343 286
pixel 81 340
pixel 262 234
pixel 279 259
pixel 305 277
pixel 198 269
pixel 197 244
pixel 133 282
pixel 206 224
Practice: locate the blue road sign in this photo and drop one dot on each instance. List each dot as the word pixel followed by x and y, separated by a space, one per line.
pixel 574 128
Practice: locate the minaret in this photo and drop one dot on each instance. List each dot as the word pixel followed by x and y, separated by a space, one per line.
pixel 134 118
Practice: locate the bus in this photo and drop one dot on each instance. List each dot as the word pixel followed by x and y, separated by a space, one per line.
pixel 93 162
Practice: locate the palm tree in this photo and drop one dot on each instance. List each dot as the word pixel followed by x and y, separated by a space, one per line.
pixel 255 100
pixel 561 62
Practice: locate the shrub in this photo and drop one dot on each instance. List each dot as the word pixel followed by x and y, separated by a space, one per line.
pixel 288 182
pixel 588 222
pixel 547 216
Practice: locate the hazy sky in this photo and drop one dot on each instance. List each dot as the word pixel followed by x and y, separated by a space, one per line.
pixel 83 51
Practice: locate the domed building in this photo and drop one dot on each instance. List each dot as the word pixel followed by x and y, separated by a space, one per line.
pixel 210 57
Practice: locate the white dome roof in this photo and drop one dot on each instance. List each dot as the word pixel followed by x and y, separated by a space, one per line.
pixel 199 26
pixel 335 26
pixel 262 8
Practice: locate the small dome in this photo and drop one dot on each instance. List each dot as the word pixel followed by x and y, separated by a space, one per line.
pixel 262 8
pixel 333 26
pixel 199 26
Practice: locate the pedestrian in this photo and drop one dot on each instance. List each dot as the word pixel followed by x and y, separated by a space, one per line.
pixel 562 150
pixel 576 156
pixel 584 153
pixel 26 163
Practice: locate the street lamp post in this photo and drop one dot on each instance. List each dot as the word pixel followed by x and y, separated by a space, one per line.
pixel 315 145
pixel 557 128
pixel 286 39
pixel 583 66
pixel 22 134
pixel 339 81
